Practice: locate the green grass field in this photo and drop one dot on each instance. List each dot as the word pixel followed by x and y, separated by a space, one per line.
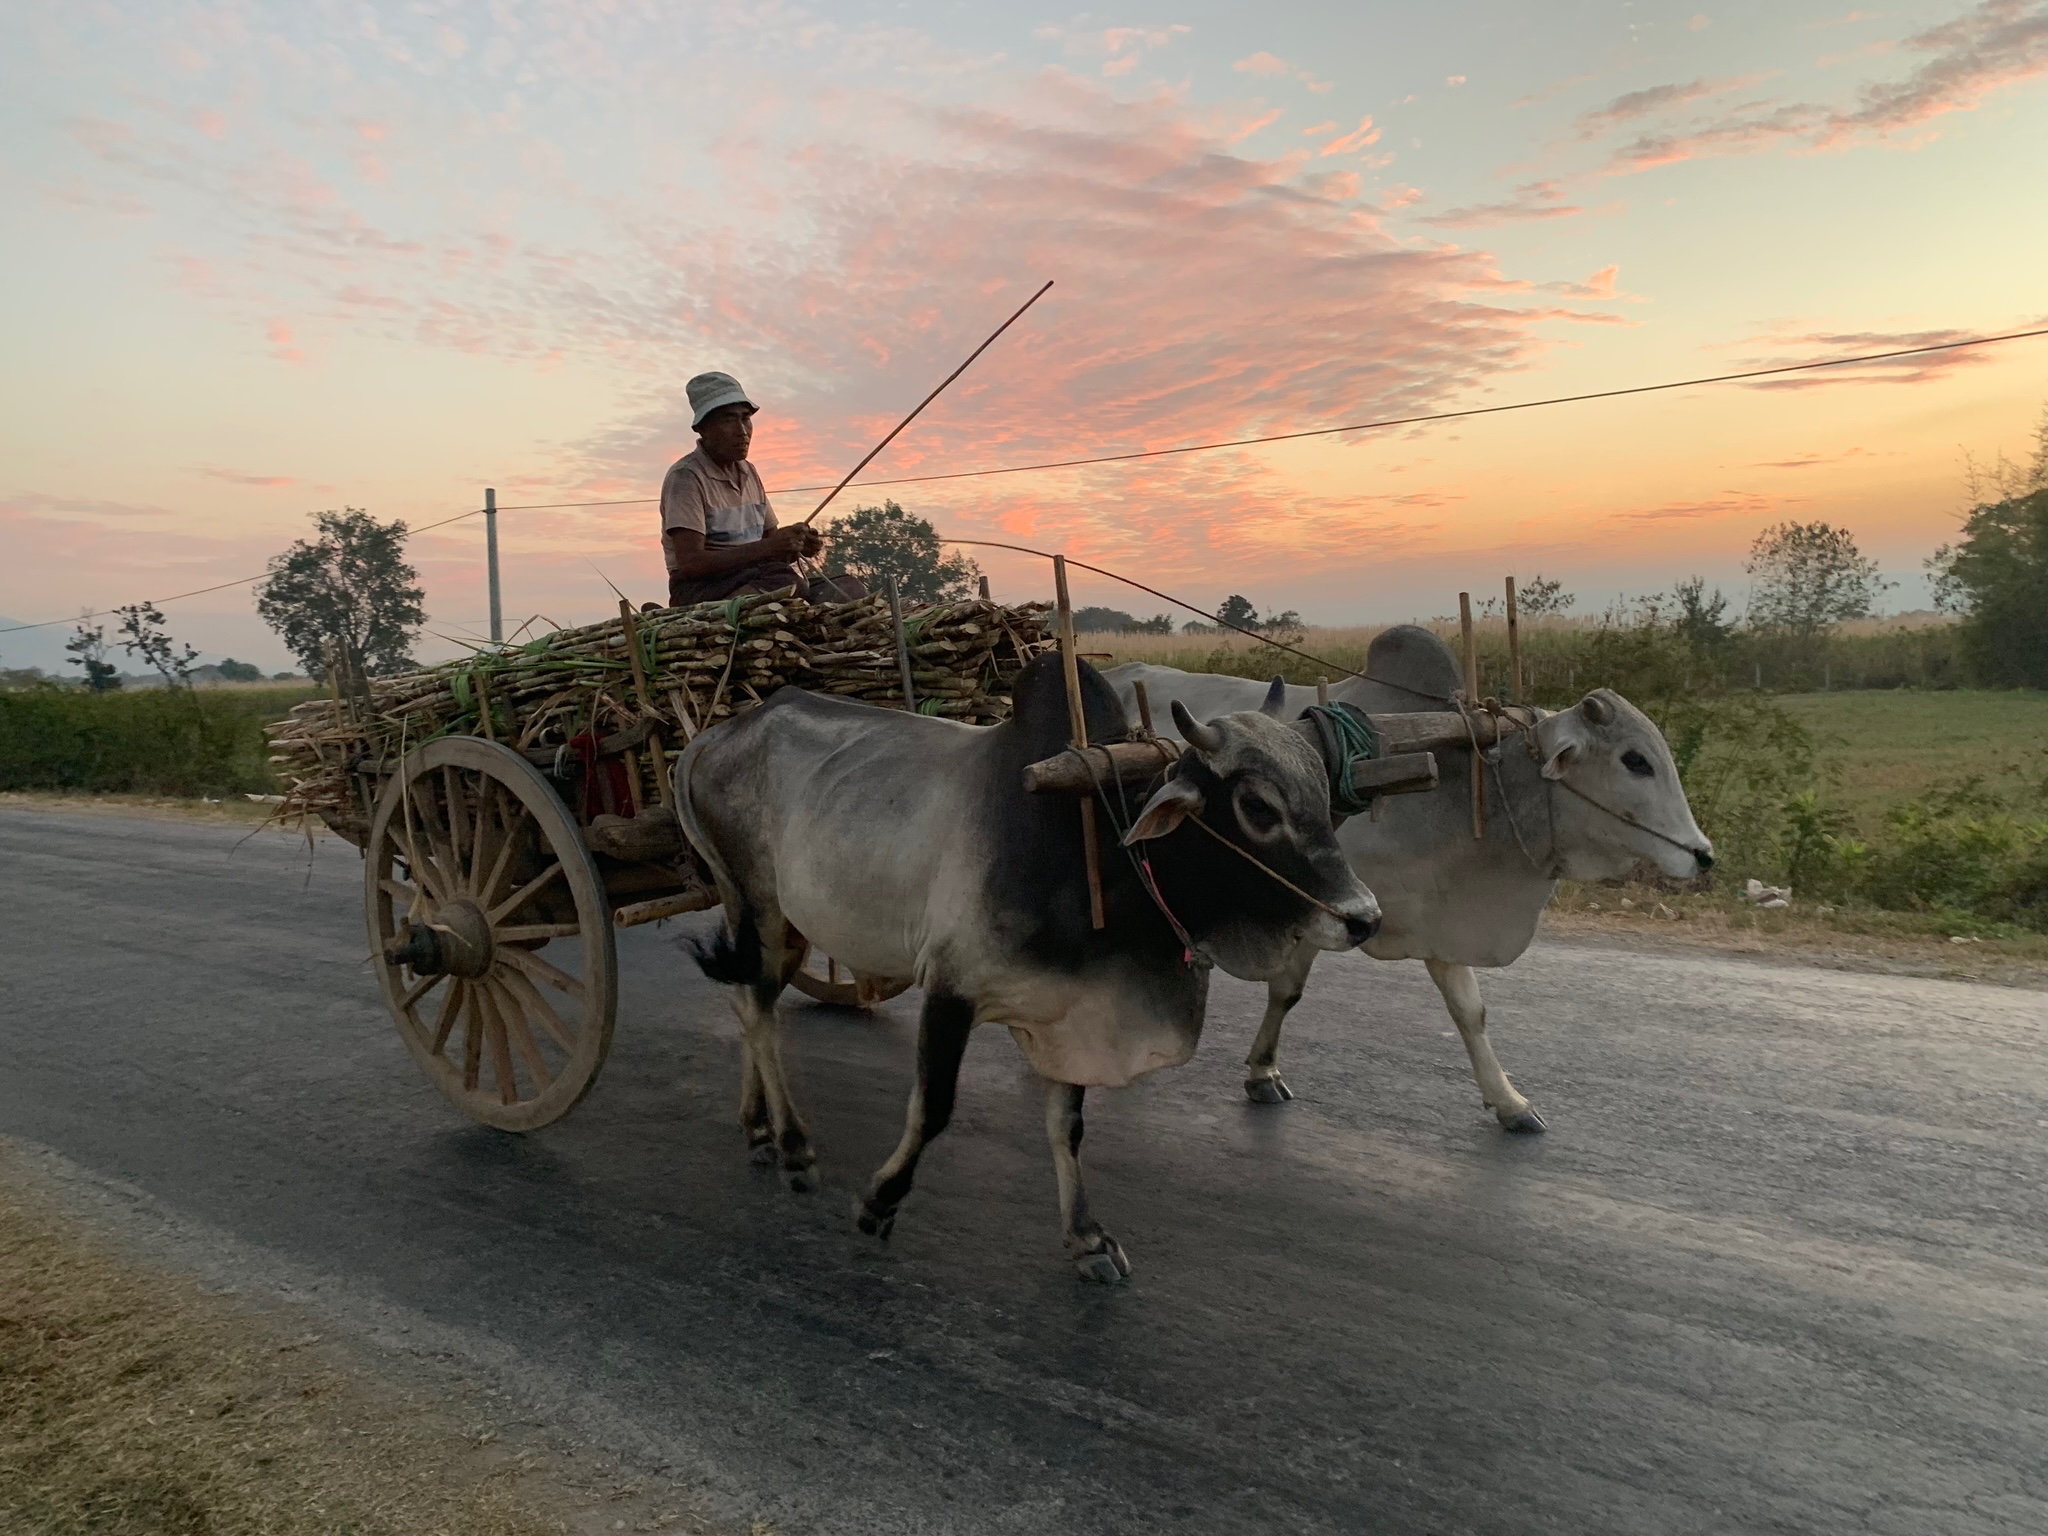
pixel 1885 747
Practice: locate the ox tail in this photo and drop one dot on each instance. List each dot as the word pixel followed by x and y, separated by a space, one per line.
pixel 731 956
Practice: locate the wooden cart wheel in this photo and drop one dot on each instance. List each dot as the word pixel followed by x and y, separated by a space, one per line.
pixel 472 868
pixel 824 980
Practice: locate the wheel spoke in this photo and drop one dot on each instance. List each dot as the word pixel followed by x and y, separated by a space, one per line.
pixel 538 1006
pixel 413 840
pixel 480 833
pixel 398 890
pixel 520 931
pixel 457 813
pixel 514 1015
pixel 540 970
pixel 451 1009
pixel 499 864
pixel 419 990
pixel 501 1049
pixel 436 843
pixel 472 1038
pixel 524 894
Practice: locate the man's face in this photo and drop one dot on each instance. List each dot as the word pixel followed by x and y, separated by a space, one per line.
pixel 727 433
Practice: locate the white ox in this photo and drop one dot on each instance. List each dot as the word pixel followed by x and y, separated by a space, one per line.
pixel 1599 795
pixel 906 846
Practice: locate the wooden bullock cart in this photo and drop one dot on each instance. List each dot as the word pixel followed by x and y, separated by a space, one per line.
pixel 496 877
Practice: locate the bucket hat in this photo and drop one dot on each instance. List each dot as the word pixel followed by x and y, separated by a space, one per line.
pixel 709 391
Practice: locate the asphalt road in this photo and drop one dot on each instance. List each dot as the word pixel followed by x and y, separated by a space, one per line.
pixel 1780 1265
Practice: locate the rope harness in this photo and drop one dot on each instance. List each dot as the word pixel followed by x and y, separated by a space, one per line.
pixel 1347 738
pixel 1143 865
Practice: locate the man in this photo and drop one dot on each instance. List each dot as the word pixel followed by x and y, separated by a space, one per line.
pixel 718 531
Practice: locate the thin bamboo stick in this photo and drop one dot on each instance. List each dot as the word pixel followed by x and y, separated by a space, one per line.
pixel 1077 720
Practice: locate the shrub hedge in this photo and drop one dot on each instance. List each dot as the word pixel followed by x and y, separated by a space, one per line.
pixel 145 741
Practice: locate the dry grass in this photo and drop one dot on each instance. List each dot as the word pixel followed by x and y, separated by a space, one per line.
pixel 1905 943
pixel 132 1404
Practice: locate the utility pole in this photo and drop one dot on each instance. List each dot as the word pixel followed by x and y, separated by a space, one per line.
pixel 491 556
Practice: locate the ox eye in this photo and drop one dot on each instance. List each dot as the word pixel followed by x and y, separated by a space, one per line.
pixel 1636 763
pixel 1258 812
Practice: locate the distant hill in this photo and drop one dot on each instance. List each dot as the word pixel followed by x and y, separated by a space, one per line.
pixel 35 647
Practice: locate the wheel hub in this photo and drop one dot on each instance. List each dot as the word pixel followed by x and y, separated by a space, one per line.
pixel 456 941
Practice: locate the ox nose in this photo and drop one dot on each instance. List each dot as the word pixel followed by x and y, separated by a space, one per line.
pixel 1704 857
pixel 1359 929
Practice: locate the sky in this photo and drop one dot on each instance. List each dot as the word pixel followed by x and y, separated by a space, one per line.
pixel 267 258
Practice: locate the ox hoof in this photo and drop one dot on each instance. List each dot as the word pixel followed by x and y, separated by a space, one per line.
pixel 873 1222
pixel 762 1154
pixel 1267 1090
pixel 1106 1267
pixel 1525 1122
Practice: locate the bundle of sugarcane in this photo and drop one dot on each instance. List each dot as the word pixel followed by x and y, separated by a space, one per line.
pixel 695 666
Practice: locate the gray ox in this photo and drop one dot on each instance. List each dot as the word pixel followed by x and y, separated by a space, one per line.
pixel 905 846
pixel 1599 795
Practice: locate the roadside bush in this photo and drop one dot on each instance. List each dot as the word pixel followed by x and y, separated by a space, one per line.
pixel 157 741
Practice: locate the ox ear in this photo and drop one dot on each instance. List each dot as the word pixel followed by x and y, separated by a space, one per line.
pixel 1596 710
pixel 1562 738
pixel 1176 800
pixel 1275 702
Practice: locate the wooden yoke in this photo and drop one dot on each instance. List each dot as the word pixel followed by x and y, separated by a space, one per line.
pixel 1077 720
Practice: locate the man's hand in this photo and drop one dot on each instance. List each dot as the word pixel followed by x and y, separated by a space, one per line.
pixel 799 541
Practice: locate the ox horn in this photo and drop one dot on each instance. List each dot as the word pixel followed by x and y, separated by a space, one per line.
pixel 1203 738
pixel 1596 709
pixel 1275 703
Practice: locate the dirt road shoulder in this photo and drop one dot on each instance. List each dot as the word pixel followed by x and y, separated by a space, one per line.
pixel 134 1398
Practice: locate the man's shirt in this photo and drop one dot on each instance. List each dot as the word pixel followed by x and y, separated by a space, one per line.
pixel 727 506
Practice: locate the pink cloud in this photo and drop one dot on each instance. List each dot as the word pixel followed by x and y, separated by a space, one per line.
pixel 1816 345
pixel 1357 139
pixel 279 335
pixel 1993 46
pixel 210 123
pixel 1262 64
pixel 1658 98
pixel 1728 504
pixel 1264 120
pixel 1532 200
pixel 242 477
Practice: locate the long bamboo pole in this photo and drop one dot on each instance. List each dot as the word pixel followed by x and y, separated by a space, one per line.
pixel 1077 721
pixel 1472 702
pixel 927 400
pixel 902 645
pixel 1514 647
pixel 654 747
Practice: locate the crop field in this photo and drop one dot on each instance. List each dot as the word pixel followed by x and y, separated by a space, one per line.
pixel 1880 748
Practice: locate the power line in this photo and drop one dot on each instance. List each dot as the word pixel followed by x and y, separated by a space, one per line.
pixel 1239 442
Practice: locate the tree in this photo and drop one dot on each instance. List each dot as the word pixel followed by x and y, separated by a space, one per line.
pixel 875 543
pixel 348 587
pixel 233 671
pixel 1541 597
pixel 88 648
pixel 1237 610
pixel 1996 577
pixel 1103 621
pixel 1701 620
pixel 144 635
pixel 1810 577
